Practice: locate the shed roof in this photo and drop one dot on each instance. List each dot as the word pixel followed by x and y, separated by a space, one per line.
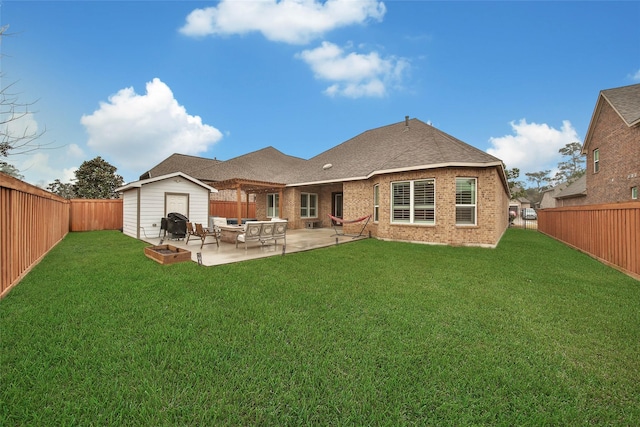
pixel 142 182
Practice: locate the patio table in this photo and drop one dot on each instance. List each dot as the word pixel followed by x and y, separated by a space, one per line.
pixel 229 232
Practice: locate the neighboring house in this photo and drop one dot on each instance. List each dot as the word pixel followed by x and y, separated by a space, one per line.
pixel 573 194
pixel 548 199
pixel 612 146
pixel 147 201
pixel 418 184
pixel 518 204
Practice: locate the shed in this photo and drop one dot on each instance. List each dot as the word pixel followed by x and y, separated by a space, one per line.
pixel 147 201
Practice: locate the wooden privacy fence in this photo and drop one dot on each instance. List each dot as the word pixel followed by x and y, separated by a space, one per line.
pixel 230 209
pixel 95 214
pixel 32 221
pixel 610 232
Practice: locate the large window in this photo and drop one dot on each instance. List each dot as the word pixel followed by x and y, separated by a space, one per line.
pixel 376 203
pixel 413 202
pixel 596 160
pixel 465 201
pixel 308 205
pixel 273 205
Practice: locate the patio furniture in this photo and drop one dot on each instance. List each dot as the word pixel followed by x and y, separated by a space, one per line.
pixel 251 233
pixel 203 233
pixel 262 231
pixel 190 231
pixel 230 232
pixel 336 220
pixel 280 231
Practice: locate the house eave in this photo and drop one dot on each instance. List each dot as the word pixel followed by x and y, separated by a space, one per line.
pixel 405 169
pixel 140 183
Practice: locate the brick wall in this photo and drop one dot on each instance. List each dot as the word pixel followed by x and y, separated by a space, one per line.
pixel 619 147
pixel 492 207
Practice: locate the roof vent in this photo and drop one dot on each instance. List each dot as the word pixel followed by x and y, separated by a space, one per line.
pixel 406 123
pixel 327 166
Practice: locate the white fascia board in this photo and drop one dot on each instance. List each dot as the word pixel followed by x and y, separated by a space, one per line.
pixel 138 184
pixel 397 170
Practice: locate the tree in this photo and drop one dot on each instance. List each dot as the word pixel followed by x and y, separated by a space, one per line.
pixel 10 170
pixel 97 179
pixel 62 189
pixel 573 167
pixel 540 179
pixel 515 186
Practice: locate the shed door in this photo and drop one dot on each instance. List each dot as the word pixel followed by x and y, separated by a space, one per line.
pixel 176 203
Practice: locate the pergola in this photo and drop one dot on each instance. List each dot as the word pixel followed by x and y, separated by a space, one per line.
pixel 250 187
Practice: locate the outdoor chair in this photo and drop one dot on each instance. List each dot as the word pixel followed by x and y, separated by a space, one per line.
pixel 251 234
pixel 280 231
pixel 190 231
pixel 203 233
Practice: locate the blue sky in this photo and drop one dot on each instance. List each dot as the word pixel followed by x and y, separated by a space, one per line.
pixel 135 81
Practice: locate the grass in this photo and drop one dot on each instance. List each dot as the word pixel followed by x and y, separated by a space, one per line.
pixel 368 333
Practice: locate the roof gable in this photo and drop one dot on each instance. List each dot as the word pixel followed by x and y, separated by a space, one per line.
pixel 142 182
pixel 625 101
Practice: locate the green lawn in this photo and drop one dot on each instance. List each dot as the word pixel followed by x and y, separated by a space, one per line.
pixel 365 333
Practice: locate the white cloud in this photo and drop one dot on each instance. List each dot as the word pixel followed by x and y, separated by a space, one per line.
pixel 533 147
pixel 142 130
pixel 354 75
pixel 289 21
pixel 636 76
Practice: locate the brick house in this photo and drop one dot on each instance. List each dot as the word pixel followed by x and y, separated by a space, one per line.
pixel 612 147
pixel 416 182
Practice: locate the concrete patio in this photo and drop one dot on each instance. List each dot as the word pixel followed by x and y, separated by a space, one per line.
pixel 297 241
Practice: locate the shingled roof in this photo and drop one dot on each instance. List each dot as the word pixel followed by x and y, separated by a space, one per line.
pixel 624 100
pixel 190 165
pixel 408 145
pixel 403 146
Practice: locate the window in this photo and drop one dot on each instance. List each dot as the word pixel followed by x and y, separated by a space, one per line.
pixel 634 193
pixel 465 201
pixel 376 202
pixel 308 205
pixel 413 202
pixel 273 205
pixel 596 160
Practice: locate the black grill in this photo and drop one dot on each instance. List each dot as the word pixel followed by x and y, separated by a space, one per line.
pixel 175 224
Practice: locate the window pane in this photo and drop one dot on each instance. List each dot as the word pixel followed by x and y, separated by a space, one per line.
pixel 423 201
pixel 272 205
pixel 401 201
pixel 465 215
pixel 376 202
pixel 465 191
pixel 312 204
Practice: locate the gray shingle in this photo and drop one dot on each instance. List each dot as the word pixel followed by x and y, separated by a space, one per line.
pixel 392 147
pixel 626 101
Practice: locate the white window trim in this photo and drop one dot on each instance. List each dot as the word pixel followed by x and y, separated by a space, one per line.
pixel 596 160
pixel 634 193
pixel 475 204
pixel 308 197
pixel 276 206
pixel 412 202
pixel 376 203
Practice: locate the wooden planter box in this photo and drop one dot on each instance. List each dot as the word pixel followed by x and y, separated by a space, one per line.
pixel 167 254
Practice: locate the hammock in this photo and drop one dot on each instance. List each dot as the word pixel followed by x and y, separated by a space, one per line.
pixel 337 220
